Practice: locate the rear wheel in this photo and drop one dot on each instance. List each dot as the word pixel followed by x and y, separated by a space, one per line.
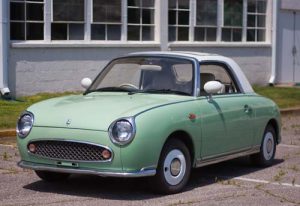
pixel 174 168
pixel 267 149
pixel 52 176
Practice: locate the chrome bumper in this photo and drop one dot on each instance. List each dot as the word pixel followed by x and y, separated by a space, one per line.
pixel 41 167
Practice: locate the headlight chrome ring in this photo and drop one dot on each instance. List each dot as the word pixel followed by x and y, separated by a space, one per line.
pixel 24 124
pixel 122 131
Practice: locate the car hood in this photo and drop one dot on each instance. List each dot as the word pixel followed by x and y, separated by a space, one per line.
pixel 96 111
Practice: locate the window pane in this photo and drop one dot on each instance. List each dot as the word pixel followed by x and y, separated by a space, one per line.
pixel 236 34
pixel 252 6
pixel 107 11
pixel 261 6
pixel 199 34
pixel 148 3
pixel 251 35
pixel 35 12
pixel 233 12
pixel 134 3
pixel 207 12
pixel 211 34
pixel 68 10
pixel 17 31
pixel 261 21
pixel 113 32
pixel 261 35
pixel 35 31
pixel 172 4
pixel 183 72
pixel 59 31
pixel 183 17
pixel 148 16
pixel 17 11
pixel 98 32
pixel 172 17
pixel 183 34
pixel 226 34
pixel 133 15
pixel 251 21
pixel 183 4
pixel 76 31
pixel 172 33
pixel 148 33
pixel 133 33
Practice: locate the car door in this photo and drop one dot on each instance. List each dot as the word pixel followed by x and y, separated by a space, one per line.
pixel 225 119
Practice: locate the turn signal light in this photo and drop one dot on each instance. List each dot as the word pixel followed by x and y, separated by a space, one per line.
pixel 106 154
pixel 32 148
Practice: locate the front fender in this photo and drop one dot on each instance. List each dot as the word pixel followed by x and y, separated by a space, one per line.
pixel 153 127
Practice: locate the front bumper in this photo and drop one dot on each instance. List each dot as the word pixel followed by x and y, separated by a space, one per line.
pixel 41 167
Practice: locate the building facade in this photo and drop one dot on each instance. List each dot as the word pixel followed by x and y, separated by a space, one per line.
pixel 50 45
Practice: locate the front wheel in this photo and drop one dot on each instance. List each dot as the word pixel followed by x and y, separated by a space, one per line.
pixel 267 149
pixel 173 169
pixel 52 176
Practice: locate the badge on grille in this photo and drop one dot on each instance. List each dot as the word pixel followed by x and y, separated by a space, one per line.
pixel 68 122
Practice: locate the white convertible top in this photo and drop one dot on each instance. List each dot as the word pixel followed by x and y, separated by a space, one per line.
pixel 241 78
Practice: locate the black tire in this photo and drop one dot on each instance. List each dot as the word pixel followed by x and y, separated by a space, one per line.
pixel 179 157
pixel 266 155
pixel 52 176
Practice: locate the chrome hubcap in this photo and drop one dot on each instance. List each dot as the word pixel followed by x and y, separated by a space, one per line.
pixel 268 146
pixel 174 167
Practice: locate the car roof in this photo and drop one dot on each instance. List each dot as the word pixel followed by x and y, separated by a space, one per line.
pixel 197 55
pixel 243 82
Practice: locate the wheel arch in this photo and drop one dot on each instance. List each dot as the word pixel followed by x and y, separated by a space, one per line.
pixel 186 139
pixel 275 125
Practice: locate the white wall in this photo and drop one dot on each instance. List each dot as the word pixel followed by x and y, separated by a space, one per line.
pixel 35 70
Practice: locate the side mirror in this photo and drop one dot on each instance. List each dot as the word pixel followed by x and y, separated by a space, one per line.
pixel 212 87
pixel 86 82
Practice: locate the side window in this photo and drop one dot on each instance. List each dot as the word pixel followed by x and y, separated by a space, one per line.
pixel 217 72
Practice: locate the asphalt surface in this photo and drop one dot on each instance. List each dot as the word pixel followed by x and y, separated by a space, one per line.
pixel 234 182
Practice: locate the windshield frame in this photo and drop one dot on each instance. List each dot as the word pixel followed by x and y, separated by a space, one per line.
pixel 194 62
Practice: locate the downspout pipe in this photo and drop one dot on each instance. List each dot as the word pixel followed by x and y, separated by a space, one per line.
pixel 4 90
pixel 274 43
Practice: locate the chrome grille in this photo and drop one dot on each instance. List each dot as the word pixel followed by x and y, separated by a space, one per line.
pixel 68 150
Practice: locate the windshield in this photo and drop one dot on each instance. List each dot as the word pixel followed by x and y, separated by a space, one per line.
pixel 146 74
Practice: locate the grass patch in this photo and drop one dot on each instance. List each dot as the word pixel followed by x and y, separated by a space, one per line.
pixel 10 110
pixel 284 97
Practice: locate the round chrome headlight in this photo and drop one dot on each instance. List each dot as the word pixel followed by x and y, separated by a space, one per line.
pixel 122 131
pixel 24 124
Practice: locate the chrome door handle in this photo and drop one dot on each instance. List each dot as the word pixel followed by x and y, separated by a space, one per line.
pixel 247 109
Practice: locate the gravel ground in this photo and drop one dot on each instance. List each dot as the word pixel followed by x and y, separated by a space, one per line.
pixel 234 182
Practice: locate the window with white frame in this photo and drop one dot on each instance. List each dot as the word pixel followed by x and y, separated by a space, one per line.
pixel 206 20
pixel 67 20
pixel 27 20
pixel 107 20
pixel 179 20
pixel 134 20
pixel 140 21
pixel 218 20
pixel 256 20
pixel 233 20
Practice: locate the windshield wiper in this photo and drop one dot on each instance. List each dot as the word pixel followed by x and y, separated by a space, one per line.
pixel 109 89
pixel 160 91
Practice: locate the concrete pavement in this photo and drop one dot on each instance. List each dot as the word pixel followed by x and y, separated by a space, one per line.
pixel 234 182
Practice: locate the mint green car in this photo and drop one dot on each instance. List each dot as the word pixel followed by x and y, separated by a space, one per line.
pixel 156 114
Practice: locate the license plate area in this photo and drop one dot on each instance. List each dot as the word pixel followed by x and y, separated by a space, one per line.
pixel 67 164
